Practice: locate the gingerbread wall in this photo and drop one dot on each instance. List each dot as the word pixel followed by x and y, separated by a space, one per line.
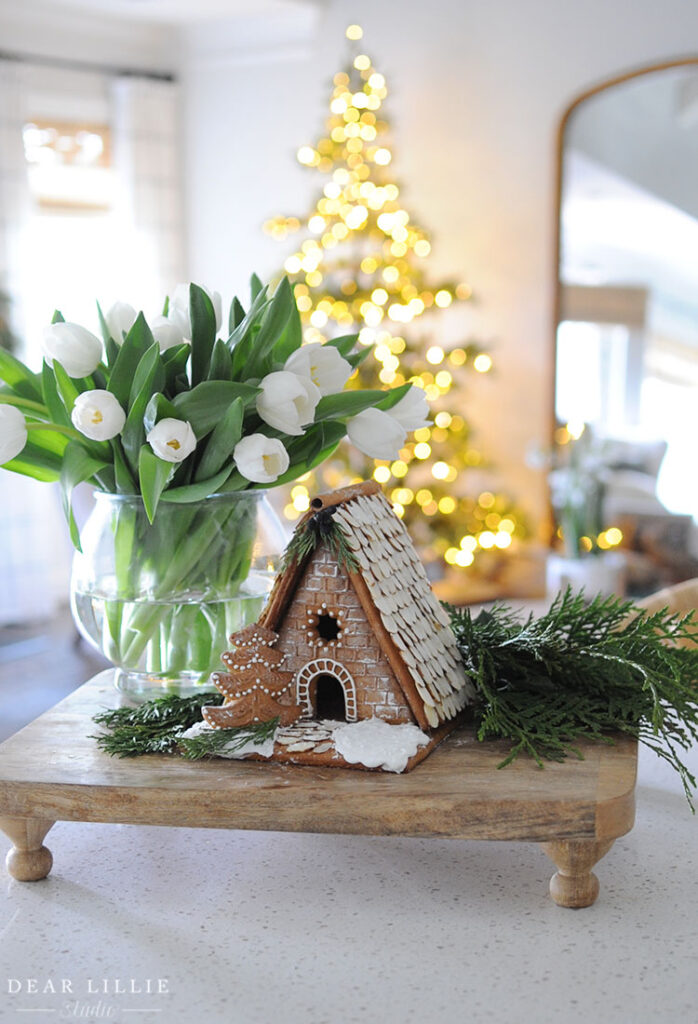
pixel 378 693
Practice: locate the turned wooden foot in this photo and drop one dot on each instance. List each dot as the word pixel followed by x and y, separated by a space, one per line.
pixel 28 860
pixel 574 884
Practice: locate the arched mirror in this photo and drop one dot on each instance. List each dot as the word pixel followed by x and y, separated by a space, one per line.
pixel 626 340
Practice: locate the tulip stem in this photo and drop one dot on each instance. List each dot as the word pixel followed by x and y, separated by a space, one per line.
pixel 56 428
pixel 24 404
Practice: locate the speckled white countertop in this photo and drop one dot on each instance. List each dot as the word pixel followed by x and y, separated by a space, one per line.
pixel 255 928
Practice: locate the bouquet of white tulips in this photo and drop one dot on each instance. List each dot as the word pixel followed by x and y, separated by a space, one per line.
pixel 173 412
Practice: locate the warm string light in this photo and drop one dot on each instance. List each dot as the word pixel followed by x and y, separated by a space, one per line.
pixel 361 267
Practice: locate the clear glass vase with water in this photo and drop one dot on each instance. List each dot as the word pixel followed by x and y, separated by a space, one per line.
pixel 160 600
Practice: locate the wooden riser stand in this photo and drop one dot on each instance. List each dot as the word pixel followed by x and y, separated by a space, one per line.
pixel 53 771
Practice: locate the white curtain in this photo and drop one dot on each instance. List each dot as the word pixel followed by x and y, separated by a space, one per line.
pixel 145 123
pixel 34 557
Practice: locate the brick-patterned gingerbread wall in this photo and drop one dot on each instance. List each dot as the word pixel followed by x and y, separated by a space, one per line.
pixel 377 690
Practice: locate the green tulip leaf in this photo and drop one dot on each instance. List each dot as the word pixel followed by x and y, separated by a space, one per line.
pixel 356 358
pixel 147 381
pixel 236 316
pixel 15 374
pixel 348 403
pixel 345 344
pixel 203 332
pixel 393 396
pixel 255 286
pixel 291 337
pixel 37 463
pixel 271 330
pixel 222 441
pixel 78 466
pixel 158 408
pixel 208 402
pixel 123 480
pixel 221 365
pixel 197 491
pixel 154 474
pixel 134 346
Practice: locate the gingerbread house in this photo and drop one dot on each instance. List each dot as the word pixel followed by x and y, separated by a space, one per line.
pixel 360 637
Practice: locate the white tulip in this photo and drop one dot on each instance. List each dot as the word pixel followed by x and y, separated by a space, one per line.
pixel 178 310
pixel 287 401
pixel 120 319
pixel 98 415
pixel 172 440
pixel 376 434
pixel 74 347
pixel 412 411
pixel 167 333
pixel 323 365
pixel 13 433
pixel 260 459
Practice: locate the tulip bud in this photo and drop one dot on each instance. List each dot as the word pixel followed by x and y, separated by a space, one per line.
pixel 120 319
pixel 323 365
pixel 167 333
pixel 412 411
pixel 98 415
pixel 172 440
pixel 260 459
pixel 376 434
pixel 13 433
pixel 75 348
pixel 287 401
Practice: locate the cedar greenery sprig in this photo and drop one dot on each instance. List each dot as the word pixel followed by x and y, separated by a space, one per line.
pixel 153 727
pixel 320 529
pixel 582 671
pixel 156 727
pixel 226 741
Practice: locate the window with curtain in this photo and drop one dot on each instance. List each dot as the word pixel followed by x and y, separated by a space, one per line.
pixel 89 210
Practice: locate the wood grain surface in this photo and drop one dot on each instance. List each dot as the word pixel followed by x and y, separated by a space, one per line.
pixel 52 770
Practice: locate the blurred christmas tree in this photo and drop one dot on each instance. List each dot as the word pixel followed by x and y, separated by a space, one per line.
pixel 362 268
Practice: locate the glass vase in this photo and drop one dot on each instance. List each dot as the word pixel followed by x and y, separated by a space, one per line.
pixel 160 600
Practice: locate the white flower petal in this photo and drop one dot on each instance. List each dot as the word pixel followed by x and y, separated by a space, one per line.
pixel 172 440
pixel 76 349
pixel 120 319
pixel 412 411
pixel 260 459
pixel 13 433
pixel 287 401
pixel 376 434
pixel 168 333
pixel 98 415
pixel 323 365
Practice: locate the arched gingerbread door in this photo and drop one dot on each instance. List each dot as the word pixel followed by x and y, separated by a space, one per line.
pixel 318 686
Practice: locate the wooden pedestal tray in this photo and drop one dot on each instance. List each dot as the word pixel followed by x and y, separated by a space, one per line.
pixel 52 771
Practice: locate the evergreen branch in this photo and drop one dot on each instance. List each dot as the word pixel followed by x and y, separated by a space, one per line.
pixel 226 741
pixel 153 727
pixel 581 672
pixel 320 529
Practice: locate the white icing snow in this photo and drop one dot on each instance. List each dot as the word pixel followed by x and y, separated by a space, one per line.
pixel 377 744
pixel 266 749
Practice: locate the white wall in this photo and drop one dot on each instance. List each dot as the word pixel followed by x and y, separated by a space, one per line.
pixel 50 29
pixel 477 90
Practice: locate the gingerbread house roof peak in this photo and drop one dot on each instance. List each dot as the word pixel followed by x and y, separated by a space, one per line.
pixel 397 598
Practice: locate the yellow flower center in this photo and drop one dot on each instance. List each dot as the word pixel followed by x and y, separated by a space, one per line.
pixel 97 416
pixel 174 443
